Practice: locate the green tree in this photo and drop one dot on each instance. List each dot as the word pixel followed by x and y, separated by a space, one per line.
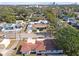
pixel 10 18
pixel 68 40
pixel 52 19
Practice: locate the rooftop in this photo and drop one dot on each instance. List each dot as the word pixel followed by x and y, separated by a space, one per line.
pixel 38 46
pixel 39 25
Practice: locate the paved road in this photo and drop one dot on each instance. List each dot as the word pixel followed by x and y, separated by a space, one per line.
pixel 24 35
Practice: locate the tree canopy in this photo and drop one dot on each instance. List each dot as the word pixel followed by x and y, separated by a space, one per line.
pixel 68 40
pixel 12 13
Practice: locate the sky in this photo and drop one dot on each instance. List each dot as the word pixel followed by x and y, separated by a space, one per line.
pixel 39 1
pixel 35 1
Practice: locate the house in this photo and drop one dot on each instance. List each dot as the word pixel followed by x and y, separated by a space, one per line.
pixel 65 18
pixel 38 46
pixel 39 27
pixel 39 21
pixel 42 24
pixel 77 15
pixel 11 27
pixel 1 25
pixel 71 21
pixel 27 48
pixel 77 25
pixel 43 21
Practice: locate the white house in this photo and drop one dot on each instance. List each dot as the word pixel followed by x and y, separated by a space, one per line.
pixel 71 20
pixel 11 27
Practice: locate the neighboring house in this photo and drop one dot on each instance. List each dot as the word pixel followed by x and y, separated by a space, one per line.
pixel 43 21
pixel 77 14
pixel 65 18
pixel 11 27
pixel 39 27
pixel 71 21
pixel 77 25
pixel 39 21
pixel 1 25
